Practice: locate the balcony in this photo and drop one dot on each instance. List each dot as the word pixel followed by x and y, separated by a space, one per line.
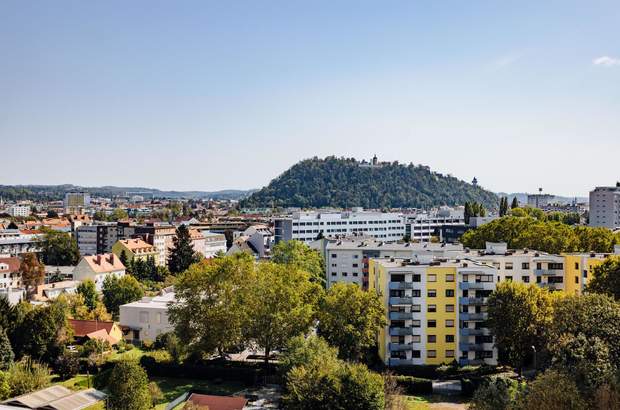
pixel 400 362
pixel 401 300
pixel 471 347
pixel 400 285
pixel 473 362
pixel 401 331
pixel 474 332
pixel 477 285
pixel 473 301
pixel 542 272
pixel 400 347
pixel 473 316
pixel 401 315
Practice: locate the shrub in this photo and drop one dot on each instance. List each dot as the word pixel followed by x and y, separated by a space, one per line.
pixel 128 387
pixel 5 387
pixel 67 365
pixel 415 385
pixel 551 390
pixel 497 393
pixel 27 375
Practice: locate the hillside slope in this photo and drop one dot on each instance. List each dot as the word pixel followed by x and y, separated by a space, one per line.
pixel 340 182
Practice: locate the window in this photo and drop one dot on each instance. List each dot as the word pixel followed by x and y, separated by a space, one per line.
pixel 431 338
pixel 577 279
pixel 431 323
pixel 508 266
pixel 334 265
pixel 345 274
pixel 508 278
pixel 449 277
pixel 432 293
pixel 449 293
pixel 416 278
pixel 525 265
pixel 556 266
pixel 431 353
pixel 355 274
pixel 449 308
pixel 416 338
pixel 525 279
pixel 144 317
pixel 333 273
pixel 449 323
pixel 416 293
pixel 415 354
pixel 355 265
pixel 449 353
pixel 432 308
pixel 432 278
pixel 334 255
pixel 538 279
pixel 576 265
pixel 449 338
pixel 416 323
pixel 416 308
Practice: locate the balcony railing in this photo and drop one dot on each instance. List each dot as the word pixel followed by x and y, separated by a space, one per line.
pixel 401 315
pixel 473 301
pixel 474 332
pixel 471 347
pixel 477 285
pixel 400 285
pixel 401 300
pixel 401 331
pixel 401 362
pixel 473 316
pixel 400 347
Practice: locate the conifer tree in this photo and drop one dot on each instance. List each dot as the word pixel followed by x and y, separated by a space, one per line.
pixel 182 254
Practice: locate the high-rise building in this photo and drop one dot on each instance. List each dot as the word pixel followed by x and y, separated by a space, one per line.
pixel 76 202
pixel 605 207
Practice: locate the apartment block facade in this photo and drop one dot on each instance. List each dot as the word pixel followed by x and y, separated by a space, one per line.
pixel 605 207
pixel 437 307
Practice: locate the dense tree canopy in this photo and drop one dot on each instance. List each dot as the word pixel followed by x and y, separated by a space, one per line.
pixel 606 278
pixel 210 309
pixel 350 318
pixel 282 304
pixel 59 249
pixel 341 182
pixel 120 291
pixel 299 255
pixel 33 271
pixel 519 316
pixel 547 236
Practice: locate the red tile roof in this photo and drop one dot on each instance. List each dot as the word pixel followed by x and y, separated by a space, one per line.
pixel 218 402
pixel 82 328
pixel 14 264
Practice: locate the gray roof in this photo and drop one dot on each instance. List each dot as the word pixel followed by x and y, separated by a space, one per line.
pixel 55 398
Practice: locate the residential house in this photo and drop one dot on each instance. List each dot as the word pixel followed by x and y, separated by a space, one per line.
pixel 98 267
pixel 135 248
pixel 84 330
pixel 51 291
pixel 147 318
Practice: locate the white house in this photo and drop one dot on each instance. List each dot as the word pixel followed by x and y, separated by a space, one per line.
pixel 97 268
pixel 147 318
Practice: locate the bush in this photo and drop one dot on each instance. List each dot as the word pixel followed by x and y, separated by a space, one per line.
pixel 67 365
pixel 414 385
pixel 27 375
pixel 5 387
pixel 128 387
pixel 551 390
pixel 498 393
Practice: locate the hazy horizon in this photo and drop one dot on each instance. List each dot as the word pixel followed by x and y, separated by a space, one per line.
pixel 200 95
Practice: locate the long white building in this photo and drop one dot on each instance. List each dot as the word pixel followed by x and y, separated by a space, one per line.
pixel 306 226
pixel 605 207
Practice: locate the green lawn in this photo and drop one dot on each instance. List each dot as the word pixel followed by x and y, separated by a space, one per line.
pixel 424 402
pixel 173 388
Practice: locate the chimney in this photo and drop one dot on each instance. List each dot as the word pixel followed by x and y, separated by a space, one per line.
pixel 111 259
pixel 98 260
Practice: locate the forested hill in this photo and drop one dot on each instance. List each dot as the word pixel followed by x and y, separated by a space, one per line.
pixel 343 183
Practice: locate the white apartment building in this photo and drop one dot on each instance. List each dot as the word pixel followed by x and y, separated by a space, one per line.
pixel 19 210
pixel 306 226
pixel 540 200
pixel 605 207
pixel 15 242
pixel 346 260
pixel 421 226
pixel 214 243
pixel 97 268
pixel 10 276
pixel 147 318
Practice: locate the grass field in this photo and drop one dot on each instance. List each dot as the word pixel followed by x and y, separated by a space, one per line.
pixel 434 402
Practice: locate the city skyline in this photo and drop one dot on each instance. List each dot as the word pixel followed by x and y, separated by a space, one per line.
pixel 208 96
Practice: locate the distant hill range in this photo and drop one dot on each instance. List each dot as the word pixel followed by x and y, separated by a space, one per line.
pixel 522 198
pixel 346 182
pixel 57 192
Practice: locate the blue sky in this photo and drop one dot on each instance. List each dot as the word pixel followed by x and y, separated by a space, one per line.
pixel 212 95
